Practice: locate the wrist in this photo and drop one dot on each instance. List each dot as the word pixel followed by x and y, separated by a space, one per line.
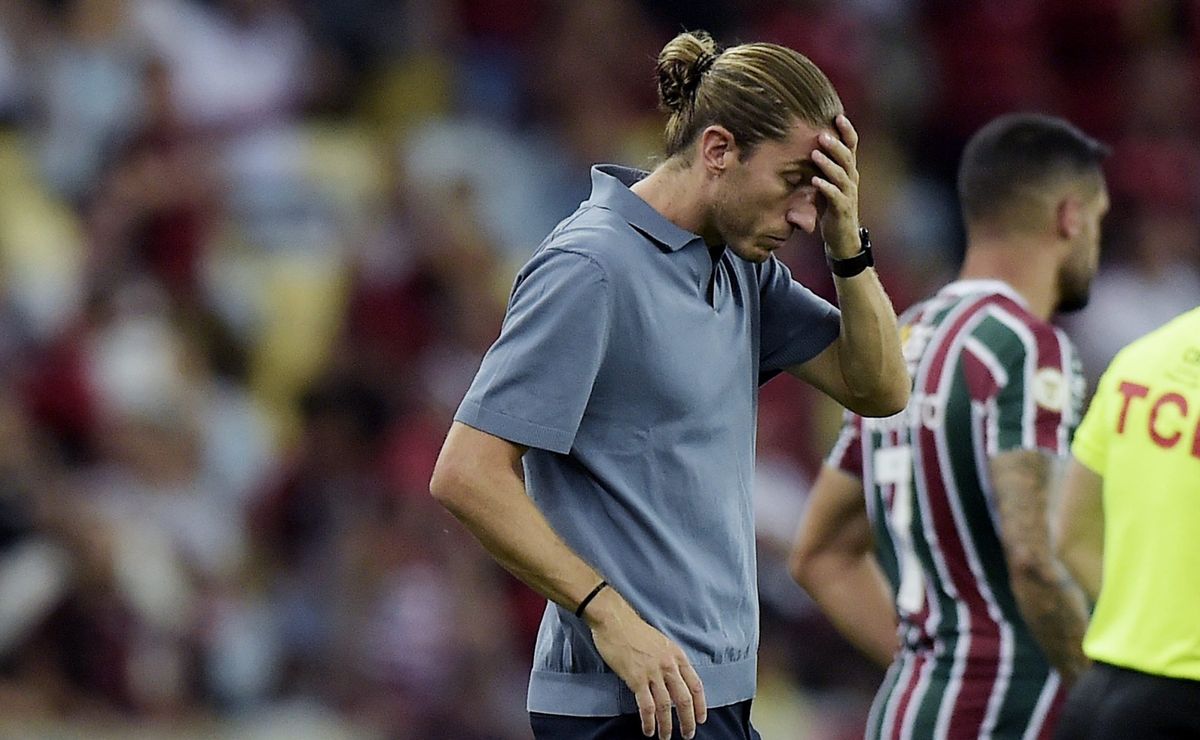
pixel 846 266
pixel 606 607
pixel 583 603
pixel 843 243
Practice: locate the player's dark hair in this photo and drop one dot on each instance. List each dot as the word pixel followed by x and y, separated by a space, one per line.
pixel 757 91
pixel 1017 152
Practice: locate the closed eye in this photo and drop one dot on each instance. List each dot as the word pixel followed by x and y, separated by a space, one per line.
pixel 796 179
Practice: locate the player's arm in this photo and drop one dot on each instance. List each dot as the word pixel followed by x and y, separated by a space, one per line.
pixel 863 369
pixel 479 479
pixel 833 559
pixel 1080 527
pixel 1050 602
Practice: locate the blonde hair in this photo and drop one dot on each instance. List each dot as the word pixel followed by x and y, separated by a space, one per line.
pixel 757 91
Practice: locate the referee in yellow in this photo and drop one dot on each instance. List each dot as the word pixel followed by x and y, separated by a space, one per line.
pixel 1129 531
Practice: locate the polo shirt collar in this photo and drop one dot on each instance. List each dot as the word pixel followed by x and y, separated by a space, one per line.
pixel 610 189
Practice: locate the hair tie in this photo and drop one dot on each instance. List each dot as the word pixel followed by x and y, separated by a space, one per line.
pixel 704 62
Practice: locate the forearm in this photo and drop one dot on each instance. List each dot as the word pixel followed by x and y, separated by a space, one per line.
pixel 853 594
pixel 1080 525
pixel 487 494
pixel 478 479
pixel 833 559
pixel 1055 610
pixel 1050 602
pixel 869 343
pixel 518 536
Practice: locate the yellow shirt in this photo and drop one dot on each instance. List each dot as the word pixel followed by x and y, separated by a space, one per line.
pixel 1142 436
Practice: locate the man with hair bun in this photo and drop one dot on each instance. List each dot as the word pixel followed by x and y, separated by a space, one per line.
pixel 604 453
pixel 940 515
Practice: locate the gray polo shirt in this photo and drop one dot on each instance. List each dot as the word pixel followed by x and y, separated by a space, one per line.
pixel 637 396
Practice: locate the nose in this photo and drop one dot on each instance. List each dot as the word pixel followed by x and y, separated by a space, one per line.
pixel 803 213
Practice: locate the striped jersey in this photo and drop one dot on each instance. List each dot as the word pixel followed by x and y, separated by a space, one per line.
pixel 988 377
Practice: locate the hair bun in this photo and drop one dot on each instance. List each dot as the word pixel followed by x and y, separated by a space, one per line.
pixel 681 66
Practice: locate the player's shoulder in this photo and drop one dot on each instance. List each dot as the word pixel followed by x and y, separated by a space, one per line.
pixel 1018 312
pixel 966 302
pixel 1008 323
pixel 989 320
pixel 601 237
pixel 582 241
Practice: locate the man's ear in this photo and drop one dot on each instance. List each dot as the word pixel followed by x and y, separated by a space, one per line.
pixel 718 150
pixel 1068 216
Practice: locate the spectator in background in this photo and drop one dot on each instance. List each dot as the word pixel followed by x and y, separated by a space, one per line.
pixel 330 487
pixel 1129 524
pixel 92 93
pixel 624 383
pixel 36 569
pixel 942 510
pixel 153 205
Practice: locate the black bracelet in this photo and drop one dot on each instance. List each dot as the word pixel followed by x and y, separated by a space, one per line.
pixel 588 599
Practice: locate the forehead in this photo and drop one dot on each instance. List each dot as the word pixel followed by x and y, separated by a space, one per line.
pixel 795 149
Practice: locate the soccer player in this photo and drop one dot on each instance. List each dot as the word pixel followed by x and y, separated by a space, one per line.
pixel 927 537
pixel 1129 525
pixel 605 450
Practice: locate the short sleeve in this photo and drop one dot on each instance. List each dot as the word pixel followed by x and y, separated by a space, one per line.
pixel 796 323
pixel 1091 443
pixel 1034 406
pixel 534 383
pixel 847 452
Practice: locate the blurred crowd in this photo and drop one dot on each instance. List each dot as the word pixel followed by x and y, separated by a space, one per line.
pixel 252 251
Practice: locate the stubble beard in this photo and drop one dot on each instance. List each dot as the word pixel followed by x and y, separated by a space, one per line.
pixel 1073 292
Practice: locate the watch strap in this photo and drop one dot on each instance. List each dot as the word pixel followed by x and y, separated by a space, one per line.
pixel 851 266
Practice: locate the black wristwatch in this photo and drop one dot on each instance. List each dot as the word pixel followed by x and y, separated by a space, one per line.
pixel 851 266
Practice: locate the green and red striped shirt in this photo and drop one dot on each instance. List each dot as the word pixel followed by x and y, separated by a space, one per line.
pixel 988 376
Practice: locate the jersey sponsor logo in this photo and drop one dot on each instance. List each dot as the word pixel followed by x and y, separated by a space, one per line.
pixel 1168 418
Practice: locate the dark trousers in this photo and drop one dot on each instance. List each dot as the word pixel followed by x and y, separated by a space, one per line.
pixel 1112 703
pixel 724 723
